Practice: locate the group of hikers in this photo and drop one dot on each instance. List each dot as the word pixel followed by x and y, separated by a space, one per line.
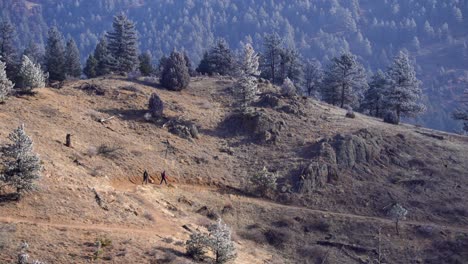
pixel 146 177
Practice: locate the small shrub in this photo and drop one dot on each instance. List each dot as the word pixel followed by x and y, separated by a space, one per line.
pixel 288 88
pixel 264 182
pixel 391 118
pixel 156 106
pixel 277 237
pixel 350 113
pixel 196 246
pixel 108 151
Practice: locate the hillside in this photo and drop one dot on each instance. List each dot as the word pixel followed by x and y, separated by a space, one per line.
pixel 434 32
pixel 338 177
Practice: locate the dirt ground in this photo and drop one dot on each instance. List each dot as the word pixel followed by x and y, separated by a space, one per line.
pixel 341 222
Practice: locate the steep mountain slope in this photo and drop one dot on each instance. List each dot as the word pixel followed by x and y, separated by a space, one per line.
pixel 338 178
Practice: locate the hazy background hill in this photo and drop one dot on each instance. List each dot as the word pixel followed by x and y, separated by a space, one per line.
pixel 434 31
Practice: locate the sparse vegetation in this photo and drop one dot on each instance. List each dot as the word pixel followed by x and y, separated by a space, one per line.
pixel 264 182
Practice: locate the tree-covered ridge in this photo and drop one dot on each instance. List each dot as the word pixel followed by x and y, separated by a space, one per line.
pixel 433 31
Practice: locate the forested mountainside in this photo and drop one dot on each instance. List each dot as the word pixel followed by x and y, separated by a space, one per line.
pixel 434 32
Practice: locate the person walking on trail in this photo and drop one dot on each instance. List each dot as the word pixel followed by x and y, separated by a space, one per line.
pixel 145 177
pixel 163 177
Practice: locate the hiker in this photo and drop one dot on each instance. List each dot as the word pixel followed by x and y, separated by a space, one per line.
pixel 163 177
pixel 145 177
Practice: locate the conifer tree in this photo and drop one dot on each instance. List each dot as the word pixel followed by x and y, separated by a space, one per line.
pixel 8 51
pixel 462 112
pixel 220 242
pixel 72 59
pixel 288 88
pixel 175 75
pixel 247 87
pixel 271 57
pixel 55 55
pixel 188 62
pixel 313 77
pixel 146 67
pixel 344 81
pixel 374 96
pixel 123 44
pixel 5 84
pixel 403 93
pixel 249 61
pixel 34 52
pixel 90 70
pixel 219 59
pixel 31 76
pixel 103 58
pixel 22 166
pixel 291 66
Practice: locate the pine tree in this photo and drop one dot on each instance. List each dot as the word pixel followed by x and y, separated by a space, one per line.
pixel 219 59
pixel 291 66
pixel 175 75
pixel 5 84
pixel 103 58
pixel 313 77
pixel 31 75
pixel 246 87
pixel 271 57
pixel 403 93
pixel 221 243
pixel 8 51
pixel 55 55
pixel 90 70
pixel 34 53
pixel 72 59
pixel 23 166
pixel 146 67
pixel 264 182
pixel 123 44
pixel 188 62
pixel 249 61
pixel 374 96
pixel 462 112
pixel 344 81
pixel 288 88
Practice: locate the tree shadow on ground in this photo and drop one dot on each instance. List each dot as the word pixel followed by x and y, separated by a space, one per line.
pixel 9 197
pixel 127 114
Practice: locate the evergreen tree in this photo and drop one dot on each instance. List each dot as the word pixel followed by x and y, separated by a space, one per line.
pixel 219 59
pixel 146 67
pixel 31 75
pixel 462 112
pixel 8 51
pixel 90 70
pixel 313 77
pixel 72 59
pixel 175 75
pixel 22 166
pixel 192 72
pixel 271 57
pixel 123 44
pixel 5 84
pixel 291 66
pixel 103 58
pixel 373 97
pixel 55 55
pixel 246 87
pixel 288 88
pixel 403 93
pixel 344 81
pixel 249 63
pixel 155 106
pixel 221 243
pixel 34 53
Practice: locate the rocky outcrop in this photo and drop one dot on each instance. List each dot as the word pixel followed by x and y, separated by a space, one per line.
pixel 338 153
pixel 257 124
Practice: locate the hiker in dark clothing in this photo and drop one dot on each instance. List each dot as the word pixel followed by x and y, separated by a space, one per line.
pixel 163 177
pixel 145 177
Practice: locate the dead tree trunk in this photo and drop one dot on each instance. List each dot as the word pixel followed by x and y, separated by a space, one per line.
pixel 68 142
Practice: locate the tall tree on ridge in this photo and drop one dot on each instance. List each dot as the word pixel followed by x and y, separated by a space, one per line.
pixel 123 44
pixel 55 55
pixel 72 59
pixel 8 51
